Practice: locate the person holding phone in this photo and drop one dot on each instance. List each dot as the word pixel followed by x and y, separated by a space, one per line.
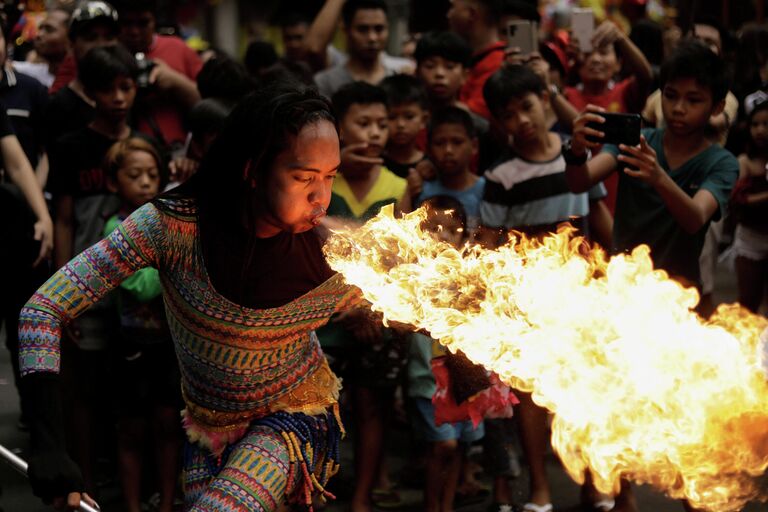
pixel 597 71
pixel 676 180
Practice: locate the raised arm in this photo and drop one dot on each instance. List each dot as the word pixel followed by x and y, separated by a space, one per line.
pixel 321 32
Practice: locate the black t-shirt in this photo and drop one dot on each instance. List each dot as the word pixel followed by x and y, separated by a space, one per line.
pixel 281 269
pixel 67 112
pixel 398 168
pixel 26 101
pixel 5 122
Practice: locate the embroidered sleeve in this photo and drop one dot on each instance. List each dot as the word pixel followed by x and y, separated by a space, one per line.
pixel 83 281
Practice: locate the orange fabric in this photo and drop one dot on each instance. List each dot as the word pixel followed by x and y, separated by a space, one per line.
pixel 485 63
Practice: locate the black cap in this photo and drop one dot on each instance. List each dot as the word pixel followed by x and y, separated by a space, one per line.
pixel 89 12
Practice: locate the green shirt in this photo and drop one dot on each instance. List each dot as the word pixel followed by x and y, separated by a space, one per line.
pixel 642 216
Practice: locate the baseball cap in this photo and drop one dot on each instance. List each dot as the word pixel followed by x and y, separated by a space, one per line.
pixel 90 12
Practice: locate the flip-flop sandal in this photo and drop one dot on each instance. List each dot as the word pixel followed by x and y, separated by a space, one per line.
pixel 605 505
pixel 532 507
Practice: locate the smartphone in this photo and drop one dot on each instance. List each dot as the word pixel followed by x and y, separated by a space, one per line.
pixel 618 129
pixel 523 34
pixel 583 27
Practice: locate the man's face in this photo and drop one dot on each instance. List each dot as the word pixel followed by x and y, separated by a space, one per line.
pixel 293 41
pixel 137 29
pixel 443 78
pixel 52 41
pixel 687 105
pixel 95 35
pixel 460 16
pixel 367 34
pixel 297 190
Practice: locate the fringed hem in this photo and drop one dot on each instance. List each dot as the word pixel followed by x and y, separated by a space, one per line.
pixel 313 449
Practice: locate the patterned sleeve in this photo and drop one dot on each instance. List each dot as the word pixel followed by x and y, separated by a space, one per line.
pixel 82 282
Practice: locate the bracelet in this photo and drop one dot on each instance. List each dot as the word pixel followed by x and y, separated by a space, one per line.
pixel 554 90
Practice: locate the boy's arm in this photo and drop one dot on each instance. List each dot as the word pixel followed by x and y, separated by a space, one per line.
pixel 580 176
pixel 692 213
pixel 564 111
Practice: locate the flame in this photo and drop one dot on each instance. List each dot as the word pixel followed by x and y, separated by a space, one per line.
pixel 639 385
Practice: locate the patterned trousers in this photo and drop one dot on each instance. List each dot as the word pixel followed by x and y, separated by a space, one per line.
pixel 251 475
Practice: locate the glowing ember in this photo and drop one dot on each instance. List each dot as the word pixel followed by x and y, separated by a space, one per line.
pixel 640 386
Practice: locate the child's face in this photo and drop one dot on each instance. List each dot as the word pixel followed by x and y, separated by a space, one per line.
pixel 451 148
pixel 758 129
pixel 444 226
pixel 405 123
pixel 524 117
pixel 368 124
pixel 442 77
pixel 687 106
pixel 138 180
pixel 296 191
pixel 600 65
pixel 116 100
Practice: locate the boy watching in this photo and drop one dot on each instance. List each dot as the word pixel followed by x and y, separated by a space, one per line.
pixel 82 203
pixel 528 192
pixel 452 146
pixel 676 180
pixel 370 357
pixel 442 62
pixel 407 107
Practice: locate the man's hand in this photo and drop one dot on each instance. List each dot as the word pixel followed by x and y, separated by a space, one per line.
pixel 642 162
pixel 606 33
pixel 44 233
pixel 182 168
pixel 354 159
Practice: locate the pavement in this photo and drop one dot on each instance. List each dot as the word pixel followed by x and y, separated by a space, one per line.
pixel 15 494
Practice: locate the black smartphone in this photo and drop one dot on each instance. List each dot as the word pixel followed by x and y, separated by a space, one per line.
pixel 618 129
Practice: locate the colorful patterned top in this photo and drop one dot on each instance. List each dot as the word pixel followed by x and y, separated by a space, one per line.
pixel 237 364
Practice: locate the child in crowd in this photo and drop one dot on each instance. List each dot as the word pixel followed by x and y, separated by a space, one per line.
pixel 676 181
pixel 448 443
pixel 82 203
pixel 370 357
pixel 750 202
pixel 597 70
pixel 408 112
pixel 442 61
pixel 148 373
pixel 452 146
pixel 527 191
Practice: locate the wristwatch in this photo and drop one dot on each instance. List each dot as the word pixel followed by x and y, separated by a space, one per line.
pixel 570 158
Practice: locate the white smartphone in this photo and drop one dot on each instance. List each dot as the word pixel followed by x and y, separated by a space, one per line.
pixel 523 34
pixel 583 27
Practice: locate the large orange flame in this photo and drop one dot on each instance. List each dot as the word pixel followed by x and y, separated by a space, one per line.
pixel 640 386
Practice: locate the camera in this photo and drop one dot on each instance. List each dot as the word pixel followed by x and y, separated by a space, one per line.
pixel 145 66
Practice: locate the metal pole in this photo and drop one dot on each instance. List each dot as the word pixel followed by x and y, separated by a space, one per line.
pixel 20 465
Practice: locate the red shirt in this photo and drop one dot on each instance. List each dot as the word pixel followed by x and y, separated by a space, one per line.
pixel 66 72
pixel 620 97
pixel 168 116
pixel 485 63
